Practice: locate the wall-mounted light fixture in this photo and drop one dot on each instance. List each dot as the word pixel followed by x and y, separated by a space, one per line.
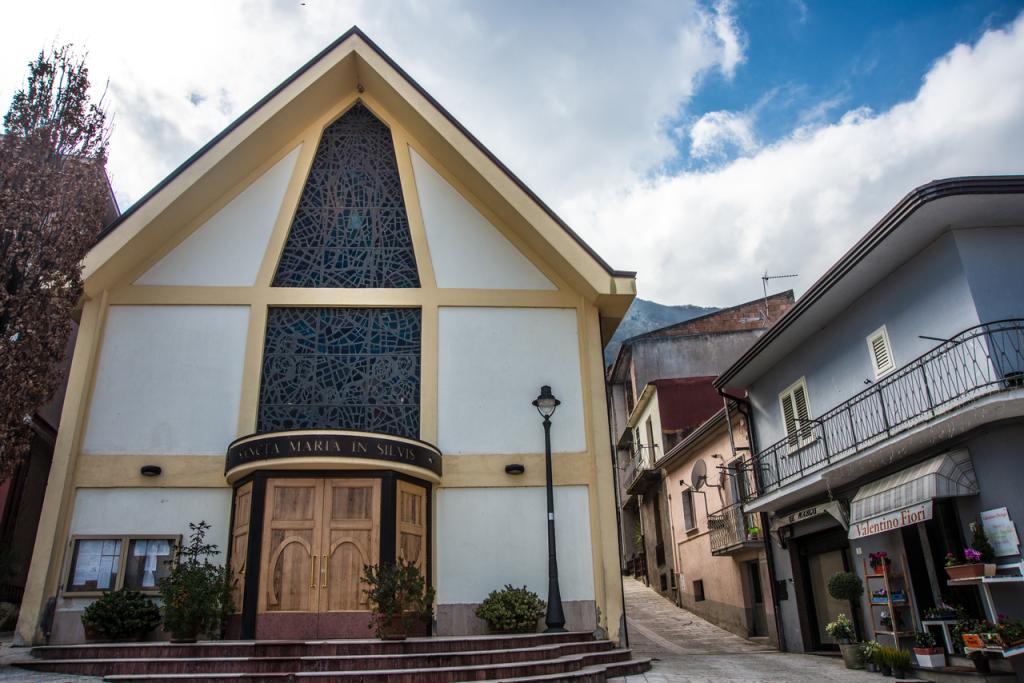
pixel 150 470
pixel 514 469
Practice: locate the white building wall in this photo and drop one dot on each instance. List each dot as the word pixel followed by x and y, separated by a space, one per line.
pixel 490 537
pixel 169 381
pixel 466 250
pixel 227 250
pixel 492 363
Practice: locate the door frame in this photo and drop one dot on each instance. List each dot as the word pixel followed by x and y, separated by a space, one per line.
pixel 388 526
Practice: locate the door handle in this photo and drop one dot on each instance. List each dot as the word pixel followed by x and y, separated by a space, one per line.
pixel 312 572
pixel 324 571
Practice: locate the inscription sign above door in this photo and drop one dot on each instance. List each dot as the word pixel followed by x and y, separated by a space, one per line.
pixel 332 443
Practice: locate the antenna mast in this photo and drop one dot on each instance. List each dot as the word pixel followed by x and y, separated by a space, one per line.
pixel 765 317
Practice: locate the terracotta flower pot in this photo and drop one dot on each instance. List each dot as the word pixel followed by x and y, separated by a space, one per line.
pixel 189 635
pixel 883 569
pixel 92 636
pixel 396 628
pixel 966 571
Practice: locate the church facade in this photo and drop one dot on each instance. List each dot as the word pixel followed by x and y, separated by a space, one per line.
pixel 322 336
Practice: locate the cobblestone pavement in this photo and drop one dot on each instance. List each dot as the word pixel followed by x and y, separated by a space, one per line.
pixel 13 674
pixel 690 650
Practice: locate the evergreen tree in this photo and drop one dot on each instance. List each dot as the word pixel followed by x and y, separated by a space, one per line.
pixel 53 197
pixel 981 544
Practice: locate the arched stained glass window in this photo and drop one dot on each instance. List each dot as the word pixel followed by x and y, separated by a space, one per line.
pixel 342 368
pixel 351 229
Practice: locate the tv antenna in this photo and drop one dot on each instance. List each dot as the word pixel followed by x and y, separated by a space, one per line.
pixel 765 317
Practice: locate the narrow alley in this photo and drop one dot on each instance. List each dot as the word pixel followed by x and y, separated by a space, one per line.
pixel 687 649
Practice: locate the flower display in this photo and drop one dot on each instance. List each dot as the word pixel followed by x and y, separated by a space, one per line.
pixel 878 559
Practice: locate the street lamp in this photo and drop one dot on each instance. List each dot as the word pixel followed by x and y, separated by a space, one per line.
pixel 555 619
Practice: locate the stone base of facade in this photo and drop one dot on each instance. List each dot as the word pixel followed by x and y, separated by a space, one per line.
pixel 729 617
pixel 460 620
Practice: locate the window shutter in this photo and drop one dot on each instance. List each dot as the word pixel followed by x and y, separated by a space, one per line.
pixel 789 417
pixel 881 352
pixel 800 401
pixel 687 500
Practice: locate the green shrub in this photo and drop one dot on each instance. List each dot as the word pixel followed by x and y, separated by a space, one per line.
pixel 845 586
pixel 120 614
pixel 924 640
pixel 900 659
pixel 981 544
pixel 197 595
pixel 397 588
pixel 512 609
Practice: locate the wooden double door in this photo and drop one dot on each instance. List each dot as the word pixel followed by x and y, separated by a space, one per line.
pixel 318 535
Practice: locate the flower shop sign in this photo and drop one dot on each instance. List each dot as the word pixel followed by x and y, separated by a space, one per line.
pixel 892 521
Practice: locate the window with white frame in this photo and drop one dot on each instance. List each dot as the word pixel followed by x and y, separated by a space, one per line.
pixel 880 350
pixel 109 563
pixel 796 415
pixel 689 514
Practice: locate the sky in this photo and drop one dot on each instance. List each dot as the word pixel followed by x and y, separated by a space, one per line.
pixel 700 143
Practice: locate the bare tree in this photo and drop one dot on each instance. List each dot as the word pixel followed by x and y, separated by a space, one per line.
pixel 53 197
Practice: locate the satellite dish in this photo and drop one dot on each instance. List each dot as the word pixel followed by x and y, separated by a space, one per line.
pixel 699 475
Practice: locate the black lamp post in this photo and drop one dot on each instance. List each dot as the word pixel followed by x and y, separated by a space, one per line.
pixel 555 619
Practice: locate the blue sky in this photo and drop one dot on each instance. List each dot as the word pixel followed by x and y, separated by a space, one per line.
pixel 699 142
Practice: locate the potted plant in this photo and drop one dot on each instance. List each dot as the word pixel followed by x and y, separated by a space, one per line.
pixel 867 654
pixel 928 655
pixel 942 612
pixel 511 610
pixel 841 630
pixel 900 662
pixel 880 562
pixel 980 662
pixel 196 594
pixel 980 545
pixel 1008 634
pixel 120 616
pixel 883 660
pixel 845 586
pixel 398 595
pixel 888 621
pixel 880 596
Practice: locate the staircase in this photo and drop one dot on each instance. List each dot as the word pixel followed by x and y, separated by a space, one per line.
pixel 575 657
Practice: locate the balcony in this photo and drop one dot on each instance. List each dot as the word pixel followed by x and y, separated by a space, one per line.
pixel 639 476
pixel 978 364
pixel 733 532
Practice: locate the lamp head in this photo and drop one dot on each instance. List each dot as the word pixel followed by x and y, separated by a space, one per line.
pixel 546 402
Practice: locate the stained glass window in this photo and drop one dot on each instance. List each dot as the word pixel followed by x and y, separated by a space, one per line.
pixel 342 368
pixel 350 228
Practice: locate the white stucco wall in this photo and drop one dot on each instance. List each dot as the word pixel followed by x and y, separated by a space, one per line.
pixel 227 250
pixel 487 538
pixel 169 380
pixel 492 363
pixel 466 250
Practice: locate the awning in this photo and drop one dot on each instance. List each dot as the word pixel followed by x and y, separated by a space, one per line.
pixel 951 474
pixel 833 507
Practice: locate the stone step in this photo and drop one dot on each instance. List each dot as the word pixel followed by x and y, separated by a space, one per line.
pixel 322 663
pixel 579 668
pixel 300 648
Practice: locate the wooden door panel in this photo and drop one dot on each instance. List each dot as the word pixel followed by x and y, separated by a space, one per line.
pixel 240 542
pixel 289 576
pixel 351 540
pixel 412 524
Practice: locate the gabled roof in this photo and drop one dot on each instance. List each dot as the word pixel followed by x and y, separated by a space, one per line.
pixel 917 221
pixel 353 60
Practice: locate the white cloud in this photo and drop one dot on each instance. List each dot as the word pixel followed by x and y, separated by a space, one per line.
pixel 571 96
pixel 716 129
pixel 797 205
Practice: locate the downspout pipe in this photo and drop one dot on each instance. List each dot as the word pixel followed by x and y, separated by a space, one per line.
pixel 743 406
pixel 609 403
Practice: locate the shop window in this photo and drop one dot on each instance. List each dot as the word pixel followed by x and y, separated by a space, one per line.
pixel 882 361
pixel 109 563
pixel 796 414
pixel 689 514
pixel 698 591
pixel 350 228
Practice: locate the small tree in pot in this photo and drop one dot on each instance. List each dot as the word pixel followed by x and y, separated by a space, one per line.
pixel 511 610
pixel 927 654
pixel 398 595
pixel 197 594
pixel 120 616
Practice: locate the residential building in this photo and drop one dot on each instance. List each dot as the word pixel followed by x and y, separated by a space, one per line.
pixel 322 335
pixel 887 409
pixel 660 391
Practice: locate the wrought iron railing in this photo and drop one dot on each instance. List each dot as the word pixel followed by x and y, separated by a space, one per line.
pixel 730 526
pixel 978 362
pixel 641 461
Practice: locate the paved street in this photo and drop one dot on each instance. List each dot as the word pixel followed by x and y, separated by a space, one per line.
pixel 690 650
pixel 13 674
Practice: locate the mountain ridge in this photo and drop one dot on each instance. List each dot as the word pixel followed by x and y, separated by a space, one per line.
pixel 645 316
